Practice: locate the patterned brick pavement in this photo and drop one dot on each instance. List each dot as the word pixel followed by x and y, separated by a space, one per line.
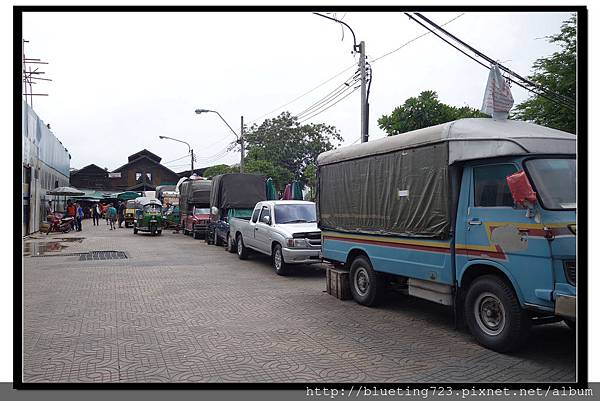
pixel 178 310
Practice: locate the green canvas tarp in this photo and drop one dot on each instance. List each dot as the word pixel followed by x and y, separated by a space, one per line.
pixel 404 192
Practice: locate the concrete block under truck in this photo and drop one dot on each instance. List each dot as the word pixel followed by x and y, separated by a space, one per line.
pixel 194 200
pixel 232 195
pixel 475 214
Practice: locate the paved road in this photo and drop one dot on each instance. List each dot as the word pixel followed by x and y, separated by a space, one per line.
pixel 178 310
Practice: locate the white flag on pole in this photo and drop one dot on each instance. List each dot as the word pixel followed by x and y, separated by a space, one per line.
pixel 498 99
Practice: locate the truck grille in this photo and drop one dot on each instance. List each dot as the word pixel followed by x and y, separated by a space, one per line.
pixel 312 235
pixel 571 272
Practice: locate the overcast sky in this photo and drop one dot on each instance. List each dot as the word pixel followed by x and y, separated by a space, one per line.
pixel 122 79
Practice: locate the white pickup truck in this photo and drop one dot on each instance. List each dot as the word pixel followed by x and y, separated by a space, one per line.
pixel 286 230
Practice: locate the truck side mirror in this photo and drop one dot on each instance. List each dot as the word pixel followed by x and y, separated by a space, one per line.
pixel 521 190
pixel 214 211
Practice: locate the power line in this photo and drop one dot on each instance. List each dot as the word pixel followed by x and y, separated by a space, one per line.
pixel 304 94
pixel 174 160
pixel 346 69
pixel 331 95
pixel 327 108
pixel 413 39
pixel 537 89
pixel 505 69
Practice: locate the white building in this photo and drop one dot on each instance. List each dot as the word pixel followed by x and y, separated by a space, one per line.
pixel 46 165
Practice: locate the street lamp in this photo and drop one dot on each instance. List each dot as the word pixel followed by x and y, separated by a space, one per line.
pixel 190 150
pixel 240 137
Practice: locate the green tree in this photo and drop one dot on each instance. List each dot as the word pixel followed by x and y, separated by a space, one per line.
pixel 279 175
pixel 220 169
pixel 288 145
pixel 557 73
pixel 423 111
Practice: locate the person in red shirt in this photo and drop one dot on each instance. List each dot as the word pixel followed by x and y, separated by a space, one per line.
pixel 70 209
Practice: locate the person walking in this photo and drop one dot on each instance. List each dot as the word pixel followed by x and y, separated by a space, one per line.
pixel 96 214
pixel 111 214
pixel 121 212
pixel 105 213
pixel 78 216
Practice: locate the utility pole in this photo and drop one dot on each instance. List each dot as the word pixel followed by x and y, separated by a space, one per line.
pixel 242 145
pixel 364 107
pixel 192 152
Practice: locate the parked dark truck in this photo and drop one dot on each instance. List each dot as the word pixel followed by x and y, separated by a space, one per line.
pixel 232 195
pixel 194 201
pixel 475 214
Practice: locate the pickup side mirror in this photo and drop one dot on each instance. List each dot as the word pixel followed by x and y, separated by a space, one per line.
pixel 521 190
pixel 266 220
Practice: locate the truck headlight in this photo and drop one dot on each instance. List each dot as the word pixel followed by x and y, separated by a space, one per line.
pixel 297 243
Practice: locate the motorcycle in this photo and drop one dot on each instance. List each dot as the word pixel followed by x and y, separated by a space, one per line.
pixel 60 224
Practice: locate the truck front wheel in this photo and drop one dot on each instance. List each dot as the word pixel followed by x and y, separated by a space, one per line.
pixel 365 285
pixel 494 316
pixel 278 262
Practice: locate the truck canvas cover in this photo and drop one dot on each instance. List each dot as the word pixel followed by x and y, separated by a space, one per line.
pixel 194 192
pixel 399 185
pixel 237 191
pixel 404 192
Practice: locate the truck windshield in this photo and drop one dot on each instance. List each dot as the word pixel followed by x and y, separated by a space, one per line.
pixel 201 210
pixel 554 181
pixel 298 213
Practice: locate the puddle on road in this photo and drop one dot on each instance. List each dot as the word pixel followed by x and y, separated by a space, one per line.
pixel 40 248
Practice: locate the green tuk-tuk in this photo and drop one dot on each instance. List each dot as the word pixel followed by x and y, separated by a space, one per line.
pixel 171 217
pixel 148 217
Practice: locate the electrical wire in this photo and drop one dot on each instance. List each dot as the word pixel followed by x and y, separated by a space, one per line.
pixel 540 91
pixel 565 99
pixel 304 94
pixel 346 69
pixel 330 96
pixel 413 39
pixel 330 106
pixel 174 160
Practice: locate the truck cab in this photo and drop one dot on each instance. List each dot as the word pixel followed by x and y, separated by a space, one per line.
pixel 475 214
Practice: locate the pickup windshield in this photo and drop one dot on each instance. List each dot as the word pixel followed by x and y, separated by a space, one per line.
pixel 201 210
pixel 298 213
pixel 555 181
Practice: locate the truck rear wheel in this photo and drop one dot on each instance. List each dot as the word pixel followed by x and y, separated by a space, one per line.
pixel 217 241
pixel 494 316
pixel 242 251
pixel 230 244
pixel 365 285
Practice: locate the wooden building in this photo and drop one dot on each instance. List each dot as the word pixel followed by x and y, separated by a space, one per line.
pixel 142 172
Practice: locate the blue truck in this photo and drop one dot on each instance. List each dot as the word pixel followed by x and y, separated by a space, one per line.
pixel 475 214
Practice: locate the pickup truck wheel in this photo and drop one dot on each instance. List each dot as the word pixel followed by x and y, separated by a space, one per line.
pixel 242 251
pixel 279 264
pixel 216 240
pixel 230 244
pixel 494 316
pixel 365 285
